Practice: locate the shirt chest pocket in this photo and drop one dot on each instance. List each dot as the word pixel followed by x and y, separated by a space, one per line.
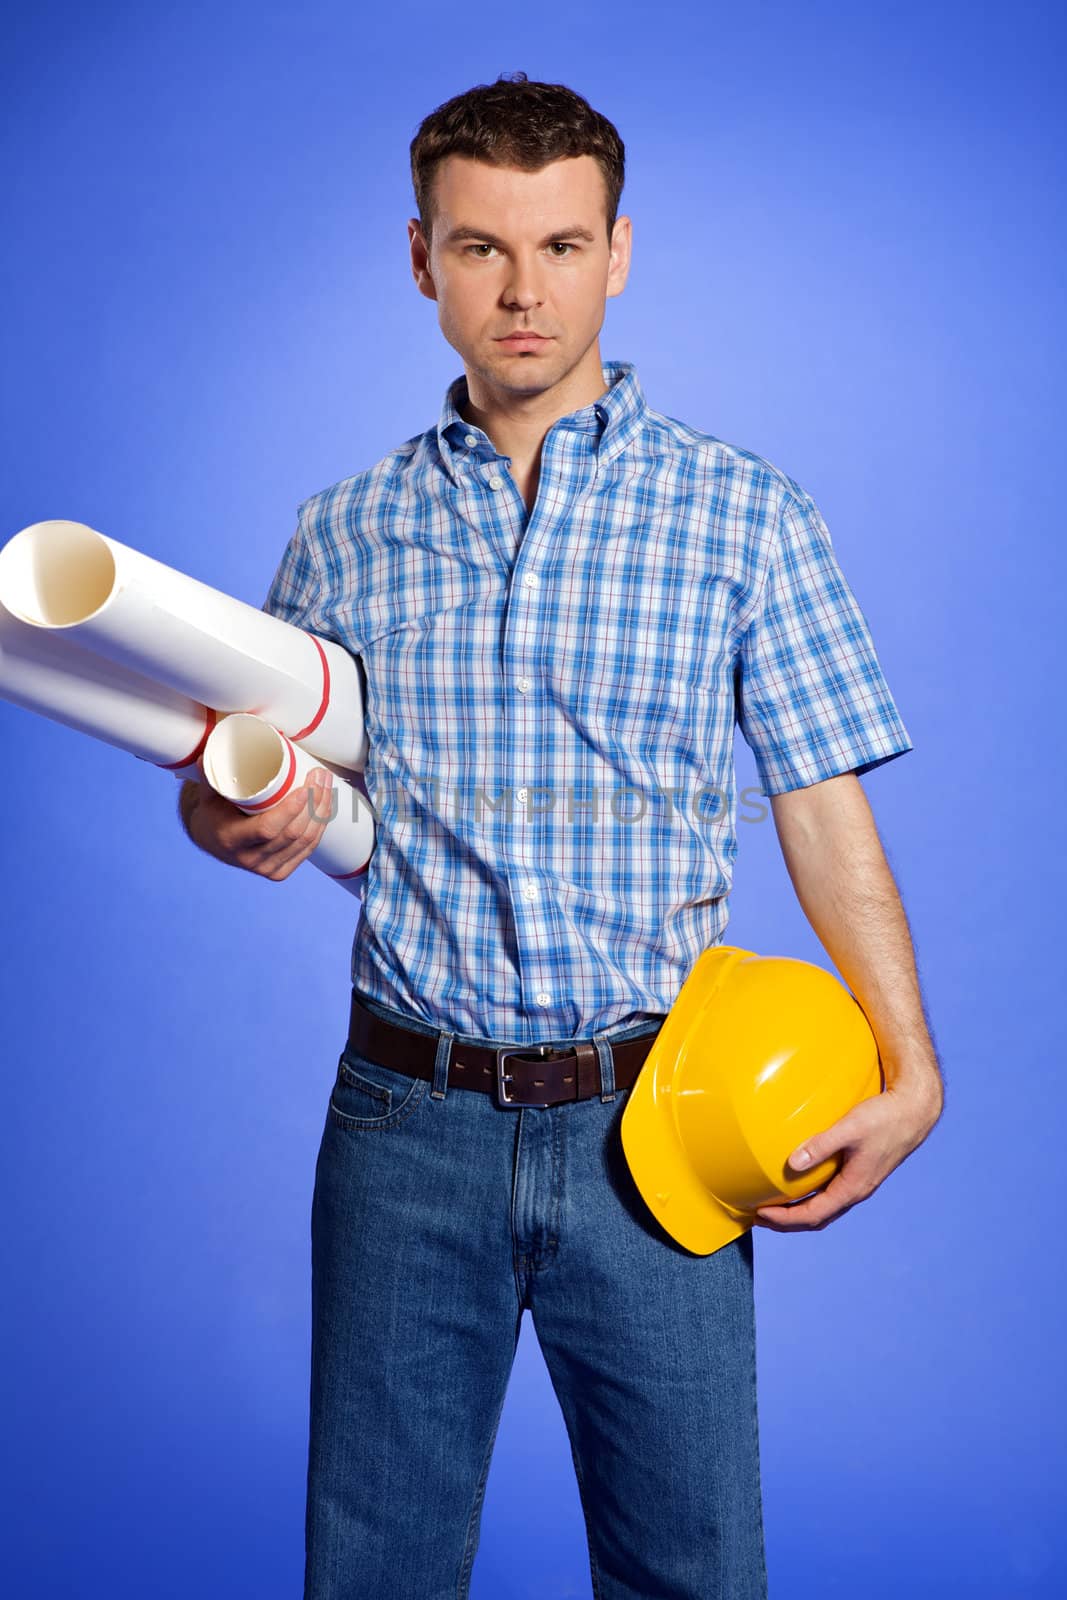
pixel 640 685
pixel 432 683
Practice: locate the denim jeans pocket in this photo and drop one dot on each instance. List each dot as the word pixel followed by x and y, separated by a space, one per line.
pixel 366 1094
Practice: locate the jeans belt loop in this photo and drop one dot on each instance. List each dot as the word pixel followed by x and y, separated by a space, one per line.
pixel 440 1064
pixel 607 1067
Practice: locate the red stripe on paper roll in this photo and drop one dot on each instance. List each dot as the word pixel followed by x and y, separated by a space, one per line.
pixel 338 877
pixel 169 766
pixel 324 702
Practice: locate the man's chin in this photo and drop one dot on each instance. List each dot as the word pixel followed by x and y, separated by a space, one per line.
pixel 522 377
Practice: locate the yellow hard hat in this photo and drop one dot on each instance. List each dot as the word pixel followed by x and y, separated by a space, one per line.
pixel 757 1054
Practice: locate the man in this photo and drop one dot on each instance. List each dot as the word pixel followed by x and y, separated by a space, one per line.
pixel 562 601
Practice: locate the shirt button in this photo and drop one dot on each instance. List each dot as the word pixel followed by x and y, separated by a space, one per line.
pixel 544 998
pixel 530 891
pixel 522 684
pixel 520 795
pixel 471 439
pixel 530 580
pixel 496 481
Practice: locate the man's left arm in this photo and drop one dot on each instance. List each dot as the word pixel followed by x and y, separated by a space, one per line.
pixel 844 884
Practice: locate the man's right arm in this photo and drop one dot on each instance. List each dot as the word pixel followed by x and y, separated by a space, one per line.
pixel 272 843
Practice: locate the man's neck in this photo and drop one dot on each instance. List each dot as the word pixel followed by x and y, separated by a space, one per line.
pixel 517 424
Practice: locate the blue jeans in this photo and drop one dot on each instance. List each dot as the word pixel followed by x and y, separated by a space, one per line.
pixel 438 1217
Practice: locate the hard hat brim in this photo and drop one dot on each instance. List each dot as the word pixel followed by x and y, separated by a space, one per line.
pixel 657 1162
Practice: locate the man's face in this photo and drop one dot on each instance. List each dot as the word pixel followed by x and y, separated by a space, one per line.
pixel 499 263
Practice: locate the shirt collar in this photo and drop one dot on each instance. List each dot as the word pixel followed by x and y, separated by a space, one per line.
pixel 612 421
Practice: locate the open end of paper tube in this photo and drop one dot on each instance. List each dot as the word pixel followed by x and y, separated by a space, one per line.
pixel 54 574
pixel 245 758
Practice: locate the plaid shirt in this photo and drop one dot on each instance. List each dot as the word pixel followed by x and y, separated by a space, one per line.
pixel 551 698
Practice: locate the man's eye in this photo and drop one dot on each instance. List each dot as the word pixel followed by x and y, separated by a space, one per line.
pixel 562 243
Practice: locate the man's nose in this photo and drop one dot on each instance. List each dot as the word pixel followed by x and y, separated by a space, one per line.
pixel 524 286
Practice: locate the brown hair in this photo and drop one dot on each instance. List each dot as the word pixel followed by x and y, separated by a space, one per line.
pixel 516 123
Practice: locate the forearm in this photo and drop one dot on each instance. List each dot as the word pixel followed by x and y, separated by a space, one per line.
pixel 846 889
pixel 188 799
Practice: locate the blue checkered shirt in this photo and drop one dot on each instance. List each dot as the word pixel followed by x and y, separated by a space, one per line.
pixel 551 699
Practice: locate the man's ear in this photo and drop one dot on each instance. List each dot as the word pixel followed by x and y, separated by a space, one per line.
pixel 420 259
pixel 619 256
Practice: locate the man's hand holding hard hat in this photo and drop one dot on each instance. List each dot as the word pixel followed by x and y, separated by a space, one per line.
pixel 759 1059
pixel 874 1138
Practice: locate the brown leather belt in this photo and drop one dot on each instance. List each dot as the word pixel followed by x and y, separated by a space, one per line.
pixel 519 1075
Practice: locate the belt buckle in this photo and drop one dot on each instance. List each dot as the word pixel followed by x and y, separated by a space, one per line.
pixel 539 1052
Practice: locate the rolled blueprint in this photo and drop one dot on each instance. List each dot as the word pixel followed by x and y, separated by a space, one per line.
pixel 252 764
pixel 64 577
pixel 47 672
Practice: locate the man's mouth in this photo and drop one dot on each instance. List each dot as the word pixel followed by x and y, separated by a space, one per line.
pixel 524 338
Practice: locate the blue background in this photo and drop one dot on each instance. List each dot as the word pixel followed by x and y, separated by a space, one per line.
pixel 846 227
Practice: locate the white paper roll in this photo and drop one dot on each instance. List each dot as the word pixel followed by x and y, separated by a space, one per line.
pixel 48 673
pixel 253 765
pixel 217 651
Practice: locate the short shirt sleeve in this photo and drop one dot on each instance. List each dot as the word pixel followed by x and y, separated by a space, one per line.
pixel 295 587
pixel 811 698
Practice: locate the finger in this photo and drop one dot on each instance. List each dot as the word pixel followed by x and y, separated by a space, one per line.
pixel 320 806
pixel 306 843
pixel 830 1142
pixel 296 804
pixel 790 1218
pixel 815 1211
pixel 300 833
pixel 292 821
pixel 280 864
pixel 322 802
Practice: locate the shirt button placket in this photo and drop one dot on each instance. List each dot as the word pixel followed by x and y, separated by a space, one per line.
pixel 528 889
